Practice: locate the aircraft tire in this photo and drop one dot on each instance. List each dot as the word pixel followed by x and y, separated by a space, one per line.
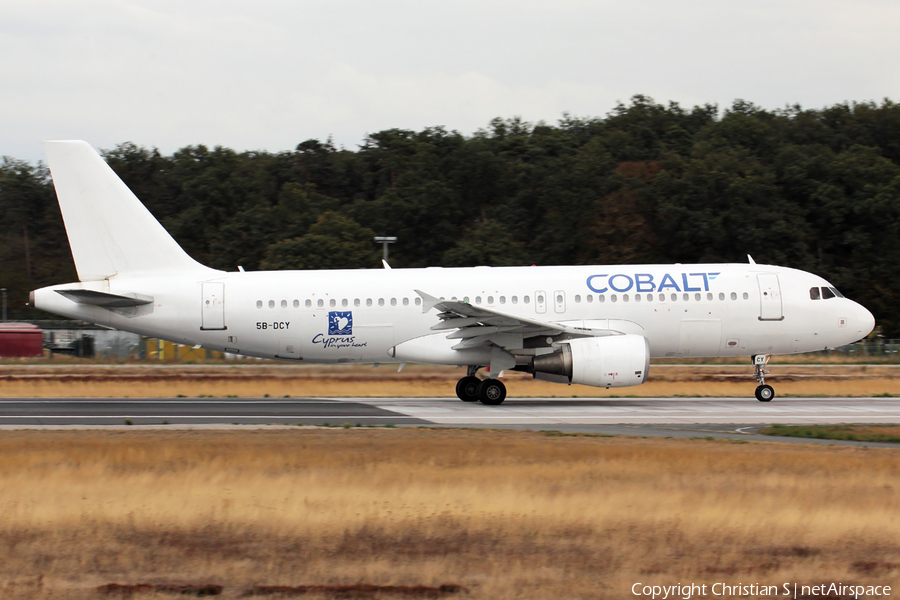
pixel 491 392
pixel 467 389
pixel 765 393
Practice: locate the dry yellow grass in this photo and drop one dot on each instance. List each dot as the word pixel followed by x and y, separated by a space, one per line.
pixel 417 381
pixel 506 514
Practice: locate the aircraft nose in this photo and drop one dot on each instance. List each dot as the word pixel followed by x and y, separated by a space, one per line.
pixel 863 321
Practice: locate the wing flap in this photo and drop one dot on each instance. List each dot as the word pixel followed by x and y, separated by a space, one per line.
pixel 479 326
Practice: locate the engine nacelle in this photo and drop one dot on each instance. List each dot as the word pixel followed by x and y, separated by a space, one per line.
pixel 612 361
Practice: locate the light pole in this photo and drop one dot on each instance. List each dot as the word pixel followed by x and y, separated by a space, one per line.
pixel 384 241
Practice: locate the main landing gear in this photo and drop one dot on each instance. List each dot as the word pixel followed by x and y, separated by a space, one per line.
pixel 489 391
pixel 764 393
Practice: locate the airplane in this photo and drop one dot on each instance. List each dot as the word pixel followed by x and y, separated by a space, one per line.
pixel 596 325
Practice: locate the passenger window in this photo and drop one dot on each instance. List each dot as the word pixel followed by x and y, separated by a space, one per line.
pixel 296 304
pixel 502 299
pixel 662 297
pixel 393 302
pixel 284 304
pixel 827 294
pixel 577 299
pixel 814 293
pixel 697 297
pixel 709 296
pixel 490 300
pixel 332 303
pixel 320 303
pixel 368 302
pixel 733 296
pixel 259 304
pixel 674 297
pixel 514 299
pixel 344 303
pixel 746 296
pixel 381 302
pixel 309 304
pixel 477 299
pixel 601 298
pixel 612 298
pixel 539 299
pixel 526 299
pixel 271 304
pixel 406 302
pixel 637 298
pixel 589 298
pixel 418 301
pixel 721 295
pixel 687 297
pixel 356 302
pixel 466 299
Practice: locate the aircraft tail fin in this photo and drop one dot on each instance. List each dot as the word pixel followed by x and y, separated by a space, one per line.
pixel 110 231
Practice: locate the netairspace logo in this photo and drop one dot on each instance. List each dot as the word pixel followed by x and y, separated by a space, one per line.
pixel 756 590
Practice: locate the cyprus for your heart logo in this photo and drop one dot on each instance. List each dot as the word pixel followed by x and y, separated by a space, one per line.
pixel 340 323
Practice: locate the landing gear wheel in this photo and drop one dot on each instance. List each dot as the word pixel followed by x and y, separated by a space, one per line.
pixel 491 392
pixel 467 389
pixel 765 393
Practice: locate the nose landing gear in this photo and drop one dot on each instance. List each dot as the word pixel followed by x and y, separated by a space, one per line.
pixel 764 393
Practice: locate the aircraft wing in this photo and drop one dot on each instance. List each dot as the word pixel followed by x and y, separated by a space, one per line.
pixel 479 326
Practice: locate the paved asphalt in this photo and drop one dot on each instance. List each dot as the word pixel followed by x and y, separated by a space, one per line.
pixel 736 418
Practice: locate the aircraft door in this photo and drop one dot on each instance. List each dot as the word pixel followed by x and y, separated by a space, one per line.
pixel 540 302
pixel 769 297
pixel 213 306
pixel 559 301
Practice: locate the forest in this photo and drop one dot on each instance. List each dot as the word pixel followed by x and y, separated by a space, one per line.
pixel 814 189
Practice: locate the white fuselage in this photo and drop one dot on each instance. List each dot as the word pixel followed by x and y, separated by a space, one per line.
pixel 704 310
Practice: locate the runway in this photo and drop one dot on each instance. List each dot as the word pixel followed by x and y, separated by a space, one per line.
pixel 673 417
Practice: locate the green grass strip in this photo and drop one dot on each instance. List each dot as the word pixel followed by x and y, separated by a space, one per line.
pixel 853 433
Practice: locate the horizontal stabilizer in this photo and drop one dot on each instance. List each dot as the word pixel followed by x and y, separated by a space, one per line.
pixel 104 300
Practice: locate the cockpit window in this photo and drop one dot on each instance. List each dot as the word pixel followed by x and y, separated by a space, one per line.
pixel 836 293
pixel 827 293
pixel 814 293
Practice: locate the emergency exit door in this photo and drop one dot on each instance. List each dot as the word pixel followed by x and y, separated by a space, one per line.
pixel 769 297
pixel 213 306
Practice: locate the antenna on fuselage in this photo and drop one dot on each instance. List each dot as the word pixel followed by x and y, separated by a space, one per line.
pixel 750 258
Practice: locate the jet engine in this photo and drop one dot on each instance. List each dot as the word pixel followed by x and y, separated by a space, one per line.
pixel 612 361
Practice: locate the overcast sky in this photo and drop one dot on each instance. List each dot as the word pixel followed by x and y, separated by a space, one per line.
pixel 268 74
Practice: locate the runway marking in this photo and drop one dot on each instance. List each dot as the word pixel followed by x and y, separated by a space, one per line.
pixel 134 416
pixel 471 419
pixel 180 401
pixel 584 413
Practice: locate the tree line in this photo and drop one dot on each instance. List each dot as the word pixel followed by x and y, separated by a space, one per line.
pixel 815 189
